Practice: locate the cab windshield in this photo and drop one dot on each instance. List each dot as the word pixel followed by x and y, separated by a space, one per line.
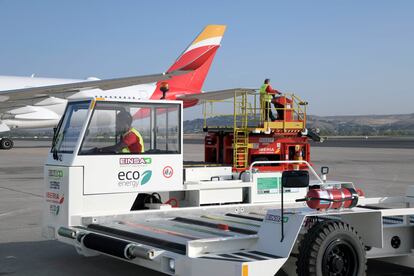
pixel 133 128
pixel 70 127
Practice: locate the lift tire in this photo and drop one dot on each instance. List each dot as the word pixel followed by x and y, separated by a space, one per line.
pixel 6 144
pixel 260 158
pixel 331 248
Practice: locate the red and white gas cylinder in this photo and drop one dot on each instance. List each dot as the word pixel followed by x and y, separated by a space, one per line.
pixel 332 198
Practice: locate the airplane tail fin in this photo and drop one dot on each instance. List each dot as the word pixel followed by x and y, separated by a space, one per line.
pixel 197 57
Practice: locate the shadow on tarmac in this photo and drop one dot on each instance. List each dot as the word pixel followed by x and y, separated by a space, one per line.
pixel 55 258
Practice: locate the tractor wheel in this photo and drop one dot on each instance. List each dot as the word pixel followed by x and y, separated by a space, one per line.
pixel 331 248
pixel 6 143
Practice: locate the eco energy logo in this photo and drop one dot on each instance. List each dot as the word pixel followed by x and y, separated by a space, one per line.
pixel 133 179
pixel 132 175
pixel 146 176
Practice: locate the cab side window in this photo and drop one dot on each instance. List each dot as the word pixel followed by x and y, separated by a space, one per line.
pixel 156 126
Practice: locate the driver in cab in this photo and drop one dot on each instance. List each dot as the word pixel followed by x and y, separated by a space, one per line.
pixel 130 139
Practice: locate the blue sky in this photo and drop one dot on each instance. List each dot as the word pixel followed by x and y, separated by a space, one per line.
pixel 344 57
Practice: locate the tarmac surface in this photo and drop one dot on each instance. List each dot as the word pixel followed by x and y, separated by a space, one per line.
pixel 379 171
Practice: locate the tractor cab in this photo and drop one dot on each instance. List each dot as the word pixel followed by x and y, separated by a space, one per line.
pixel 90 147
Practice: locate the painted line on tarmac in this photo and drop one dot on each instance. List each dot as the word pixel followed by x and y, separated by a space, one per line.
pixel 21 192
pixel 18 212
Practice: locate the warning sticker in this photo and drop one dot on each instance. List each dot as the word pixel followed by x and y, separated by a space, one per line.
pixel 168 172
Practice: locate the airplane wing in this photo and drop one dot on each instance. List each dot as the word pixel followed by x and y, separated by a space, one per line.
pixel 18 96
pixel 218 95
pixel 9 105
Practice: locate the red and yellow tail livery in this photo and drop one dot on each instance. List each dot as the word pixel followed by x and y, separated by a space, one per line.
pixel 198 58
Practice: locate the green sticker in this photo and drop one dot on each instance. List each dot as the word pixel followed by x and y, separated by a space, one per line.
pixel 56 173
pixel 146 176
pixel 268 185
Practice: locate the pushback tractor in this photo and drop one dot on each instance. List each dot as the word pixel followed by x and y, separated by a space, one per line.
pixel 153 209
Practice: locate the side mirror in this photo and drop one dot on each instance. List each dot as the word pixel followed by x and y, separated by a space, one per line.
pixel 295 179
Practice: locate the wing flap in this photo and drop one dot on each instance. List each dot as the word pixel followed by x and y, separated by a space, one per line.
pixel 9 105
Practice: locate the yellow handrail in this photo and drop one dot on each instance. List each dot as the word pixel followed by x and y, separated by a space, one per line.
pixel 254 113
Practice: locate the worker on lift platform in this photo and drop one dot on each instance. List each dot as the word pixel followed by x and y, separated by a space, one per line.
pixel 266 95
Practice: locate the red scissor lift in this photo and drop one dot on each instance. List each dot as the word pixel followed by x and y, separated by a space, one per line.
pixel 252 136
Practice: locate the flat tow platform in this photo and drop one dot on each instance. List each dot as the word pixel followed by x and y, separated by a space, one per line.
pixel 173 233
pixel 229 237
pixel 173 229
pixel 216 235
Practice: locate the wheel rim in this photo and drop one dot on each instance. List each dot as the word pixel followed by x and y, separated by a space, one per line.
pixel 340 259
pixel 7 144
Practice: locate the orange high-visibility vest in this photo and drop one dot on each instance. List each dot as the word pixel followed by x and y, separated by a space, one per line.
pixel 139 138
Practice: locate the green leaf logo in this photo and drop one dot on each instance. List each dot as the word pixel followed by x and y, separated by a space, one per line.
pixel 146 176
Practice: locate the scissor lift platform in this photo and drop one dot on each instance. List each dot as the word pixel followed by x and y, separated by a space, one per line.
pixel 249 134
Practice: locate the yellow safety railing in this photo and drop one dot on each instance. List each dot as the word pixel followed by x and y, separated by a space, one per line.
pixel 209 111
pixel 251 111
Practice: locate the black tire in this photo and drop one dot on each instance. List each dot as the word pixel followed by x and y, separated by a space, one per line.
pixel 331 248
pixel 6 144
pixel 261 158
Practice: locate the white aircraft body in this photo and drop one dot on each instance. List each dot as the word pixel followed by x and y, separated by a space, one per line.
pixel 31 102
pixel 47 112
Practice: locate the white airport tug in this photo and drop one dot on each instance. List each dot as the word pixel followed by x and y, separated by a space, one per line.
pixel 155 210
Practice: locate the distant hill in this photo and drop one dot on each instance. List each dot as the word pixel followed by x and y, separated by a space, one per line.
pixel 371 125
pixel 367 125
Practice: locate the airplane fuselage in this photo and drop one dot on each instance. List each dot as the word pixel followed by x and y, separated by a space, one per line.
pixel 47 112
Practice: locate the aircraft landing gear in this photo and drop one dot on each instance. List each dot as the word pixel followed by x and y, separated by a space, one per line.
pixel 6 143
